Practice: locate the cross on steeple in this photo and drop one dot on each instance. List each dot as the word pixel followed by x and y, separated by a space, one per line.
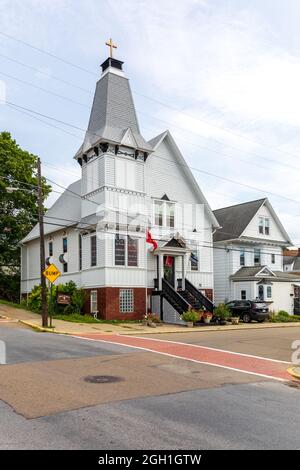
pixel 111 46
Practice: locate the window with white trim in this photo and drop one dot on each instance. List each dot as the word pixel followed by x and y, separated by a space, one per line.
pixel 243 295
pixel 164 213
pixel 264 225
pixel 50 248
pixel 158 213
pixel 256 257
pixel 94 301
pixel 93 242
pixel 126 250
pixel 194 260
pixel 269 292
pixel 242 257
pixel 170 210
pixel 273 259
pixel 126 301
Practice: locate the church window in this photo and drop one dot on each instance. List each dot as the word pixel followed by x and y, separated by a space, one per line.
pixel 50 248
pixel 170 214
pixel 194 260
pixel 94 250
pixel 80 251
pixel 132 251
pixel 273 259
pixel 126 301
pixel 120 250
pixel 159 213
pixel 65 245
pixel 94 301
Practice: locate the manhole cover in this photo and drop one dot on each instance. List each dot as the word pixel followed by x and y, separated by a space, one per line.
pixel 102 379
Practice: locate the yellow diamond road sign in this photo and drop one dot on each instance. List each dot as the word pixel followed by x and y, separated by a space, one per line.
pixel 52 273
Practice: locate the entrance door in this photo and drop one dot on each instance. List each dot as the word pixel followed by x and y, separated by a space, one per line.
pixel 169 269
pixel 261 292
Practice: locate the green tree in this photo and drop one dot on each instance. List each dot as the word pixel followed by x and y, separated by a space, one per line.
pixel 18 209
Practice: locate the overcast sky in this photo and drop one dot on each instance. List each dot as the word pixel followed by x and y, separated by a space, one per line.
pixel 226 74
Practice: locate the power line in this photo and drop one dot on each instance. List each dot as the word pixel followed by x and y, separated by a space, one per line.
pixel 44 90
pixel 248 162
pixel 47 53
pixel 174 109
pixel 163 158
pixel 46 74
pixel 78 196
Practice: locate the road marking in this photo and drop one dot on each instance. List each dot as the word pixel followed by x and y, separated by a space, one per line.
pixel 216 349
pixel 243 363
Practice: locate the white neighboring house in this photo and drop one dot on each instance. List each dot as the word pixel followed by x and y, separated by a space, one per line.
pixel 291 260
pixel 248 257
pixel 97 238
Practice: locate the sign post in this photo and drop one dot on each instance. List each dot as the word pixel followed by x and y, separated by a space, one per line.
pixel 51 273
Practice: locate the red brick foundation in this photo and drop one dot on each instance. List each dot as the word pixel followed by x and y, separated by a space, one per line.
pixel 108 300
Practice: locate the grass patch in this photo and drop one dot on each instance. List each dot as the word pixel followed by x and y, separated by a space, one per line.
pixel 77 318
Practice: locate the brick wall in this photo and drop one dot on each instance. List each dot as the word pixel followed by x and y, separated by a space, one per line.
pixel 109 304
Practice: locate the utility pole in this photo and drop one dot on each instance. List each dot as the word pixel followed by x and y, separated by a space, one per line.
pixel 42 246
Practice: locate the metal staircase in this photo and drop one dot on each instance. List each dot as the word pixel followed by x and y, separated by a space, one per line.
pixel 195 298
pixel 180 301
pixel 174 298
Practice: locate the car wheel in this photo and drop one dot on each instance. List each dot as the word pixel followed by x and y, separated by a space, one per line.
pixel 246 318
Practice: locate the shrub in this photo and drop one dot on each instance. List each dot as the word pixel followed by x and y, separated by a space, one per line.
pixel 78 299
pixel 191 316
pixel 283 313
pixel 69 310
pixel 34 300
pixel 223 312
pixel 283 317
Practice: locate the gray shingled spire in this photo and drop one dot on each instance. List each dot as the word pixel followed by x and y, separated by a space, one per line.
pixel 113 111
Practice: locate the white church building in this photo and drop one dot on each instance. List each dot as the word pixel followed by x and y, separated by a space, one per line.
pixel 131 192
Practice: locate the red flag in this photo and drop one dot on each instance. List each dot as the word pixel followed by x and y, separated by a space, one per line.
pixel 149 239
pixel 169 261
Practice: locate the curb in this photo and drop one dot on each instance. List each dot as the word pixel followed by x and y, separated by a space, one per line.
pixel 153 331
pixel 37 327
pixel 294 373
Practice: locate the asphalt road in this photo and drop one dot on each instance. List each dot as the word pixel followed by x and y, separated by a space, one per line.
pixel 25 345
pixel 161 402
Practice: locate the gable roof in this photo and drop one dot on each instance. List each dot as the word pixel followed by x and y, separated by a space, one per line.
pixel 65 210
pixel 112 114
pixel 156 142
pixel 252 273
pixel 234 219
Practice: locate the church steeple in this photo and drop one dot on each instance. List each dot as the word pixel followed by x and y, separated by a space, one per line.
pixel 113 118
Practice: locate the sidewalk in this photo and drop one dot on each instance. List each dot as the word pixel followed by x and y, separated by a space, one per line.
pixel 63 327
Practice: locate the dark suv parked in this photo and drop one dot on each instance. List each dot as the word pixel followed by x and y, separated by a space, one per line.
pixel 249 310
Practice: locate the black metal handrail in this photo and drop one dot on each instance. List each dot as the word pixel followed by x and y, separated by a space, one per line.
pixel 175 299
pixel 205 301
